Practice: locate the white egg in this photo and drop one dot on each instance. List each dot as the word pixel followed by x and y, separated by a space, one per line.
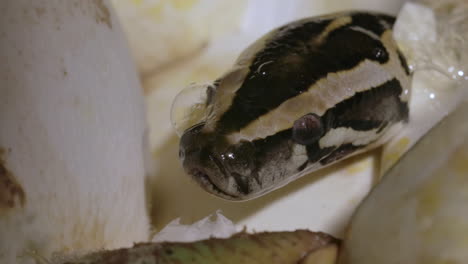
pixel 72 135
pixel 417 213
pixel 161 32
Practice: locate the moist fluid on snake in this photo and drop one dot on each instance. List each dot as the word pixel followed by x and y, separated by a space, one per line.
pixel 304 96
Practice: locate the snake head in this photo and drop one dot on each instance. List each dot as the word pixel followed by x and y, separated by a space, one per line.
pixel 226 171
pixel 306 95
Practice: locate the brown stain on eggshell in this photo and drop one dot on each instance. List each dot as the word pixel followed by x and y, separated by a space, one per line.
pixel 12 194
pixel 102 14
pixel 40 11
pixel 96 10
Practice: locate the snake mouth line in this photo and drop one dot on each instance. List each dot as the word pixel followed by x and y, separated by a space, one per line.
pixel 205 181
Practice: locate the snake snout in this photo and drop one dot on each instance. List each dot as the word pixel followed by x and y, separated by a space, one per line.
pixel 225 171
pixel 201 163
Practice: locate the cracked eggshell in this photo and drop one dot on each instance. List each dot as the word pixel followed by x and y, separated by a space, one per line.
pixel 72 131
pixel 429 44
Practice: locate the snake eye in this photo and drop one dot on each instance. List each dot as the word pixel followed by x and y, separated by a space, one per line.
pixel 307 129
pixel 380 54
pixel 190 106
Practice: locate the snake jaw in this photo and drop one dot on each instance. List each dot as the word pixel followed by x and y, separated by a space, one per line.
pixel 210 168
pixel 204 180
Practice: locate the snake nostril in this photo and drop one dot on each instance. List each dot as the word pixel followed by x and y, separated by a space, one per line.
pixel 191 144
pixel 240 158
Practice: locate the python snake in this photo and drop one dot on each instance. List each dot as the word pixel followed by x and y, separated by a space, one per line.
pixel 302 97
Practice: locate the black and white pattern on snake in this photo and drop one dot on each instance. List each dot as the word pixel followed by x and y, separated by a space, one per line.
pixel 342 71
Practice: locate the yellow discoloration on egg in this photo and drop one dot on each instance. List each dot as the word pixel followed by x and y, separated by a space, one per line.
pixel 394 153
pixel 439 261
pixel 203 73
pixel 428 199
pixel 436 198
pixel 184 5
pixel 155 12
pixel 325 255
pixel 460 163
pixel 359 166
pixel 155 9
pixel 136 2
